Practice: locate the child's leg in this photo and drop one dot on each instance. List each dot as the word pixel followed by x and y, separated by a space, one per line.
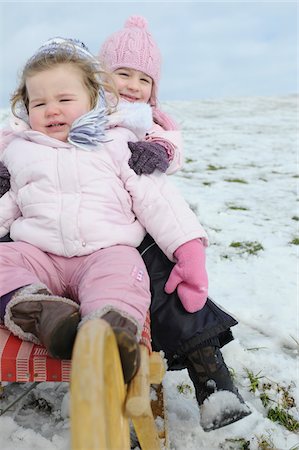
pixel 113 284
pixel 114 279
pixel 22 264
pixel 191 341
pixel 31 311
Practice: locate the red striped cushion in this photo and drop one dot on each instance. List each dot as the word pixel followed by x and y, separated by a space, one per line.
pixel 23 361
pixel 146 333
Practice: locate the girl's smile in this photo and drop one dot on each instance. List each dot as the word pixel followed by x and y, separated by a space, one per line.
pixel 133 85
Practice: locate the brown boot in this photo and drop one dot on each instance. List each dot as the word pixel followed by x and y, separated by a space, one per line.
pixel 35 314
pixel 125 332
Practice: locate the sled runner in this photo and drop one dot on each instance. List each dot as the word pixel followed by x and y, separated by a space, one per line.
pixel 102 407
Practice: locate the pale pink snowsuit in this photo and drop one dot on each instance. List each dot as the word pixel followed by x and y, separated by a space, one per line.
pixel 77 217
pixel 110 278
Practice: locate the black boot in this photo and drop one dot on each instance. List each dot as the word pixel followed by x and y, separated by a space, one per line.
pixel 125 332
pixel 35 314
pixel 209 375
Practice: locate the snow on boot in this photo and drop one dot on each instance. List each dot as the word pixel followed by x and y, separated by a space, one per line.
pixel 219 401
pixel 125 332
pixel 34 314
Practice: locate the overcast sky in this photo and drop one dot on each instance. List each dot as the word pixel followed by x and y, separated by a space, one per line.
pixel 210 49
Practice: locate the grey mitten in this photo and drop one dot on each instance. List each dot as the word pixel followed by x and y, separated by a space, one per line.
pixel 148 156
pixel 4 179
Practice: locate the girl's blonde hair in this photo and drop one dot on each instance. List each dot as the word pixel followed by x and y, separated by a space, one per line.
pixel 96 80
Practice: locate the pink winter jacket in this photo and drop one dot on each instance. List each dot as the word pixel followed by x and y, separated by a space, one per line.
pixel 72 202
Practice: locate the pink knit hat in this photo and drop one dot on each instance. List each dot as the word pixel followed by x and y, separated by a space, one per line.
pixel 135 48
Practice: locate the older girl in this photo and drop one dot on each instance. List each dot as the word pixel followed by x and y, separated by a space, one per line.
pixel 193 341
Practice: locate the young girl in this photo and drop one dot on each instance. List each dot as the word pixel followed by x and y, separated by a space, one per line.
pixel 191 341
pixel 76 211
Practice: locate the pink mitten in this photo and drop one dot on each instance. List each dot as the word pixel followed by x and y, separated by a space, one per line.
pixel 189 276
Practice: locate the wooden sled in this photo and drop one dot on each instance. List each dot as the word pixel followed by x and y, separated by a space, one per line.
pixel 102 407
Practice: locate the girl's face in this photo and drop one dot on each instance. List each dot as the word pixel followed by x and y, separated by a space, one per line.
pixel 133 85
pixel 57 97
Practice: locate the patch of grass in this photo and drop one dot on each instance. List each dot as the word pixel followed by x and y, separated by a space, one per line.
pixel 235 444
pixel 250 247
pixel 237 208
pixel 265 442
pixel 189 160
pixel 254 380
pixel 212 167
pixel 184 388
pixel 254 349
pixel 295 218
pixel 207 183
pixel 280 415
pixel 236 244
pixel 287 401
pixel 236 180
pixel 284 401
pixel 265 399
pixel 295 241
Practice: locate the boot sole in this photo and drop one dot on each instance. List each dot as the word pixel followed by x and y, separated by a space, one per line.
pixel 226 420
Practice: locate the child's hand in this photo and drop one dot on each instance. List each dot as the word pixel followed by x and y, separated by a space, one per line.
pixel 147 156
pixel 189 276
pixel 4 179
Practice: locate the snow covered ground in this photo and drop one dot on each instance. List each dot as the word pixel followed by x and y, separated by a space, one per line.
pixel 240 177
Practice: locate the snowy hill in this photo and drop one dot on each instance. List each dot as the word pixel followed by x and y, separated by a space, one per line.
pixel 240 178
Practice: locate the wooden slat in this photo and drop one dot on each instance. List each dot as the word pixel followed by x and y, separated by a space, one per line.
pixel 138 397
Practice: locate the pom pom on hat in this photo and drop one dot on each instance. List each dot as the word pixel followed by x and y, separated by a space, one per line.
pixel 136 21
pixel 133 47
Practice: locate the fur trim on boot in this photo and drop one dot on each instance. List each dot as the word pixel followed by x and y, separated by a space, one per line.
pixel 35 315
pixel 99 313
pixel 125 332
